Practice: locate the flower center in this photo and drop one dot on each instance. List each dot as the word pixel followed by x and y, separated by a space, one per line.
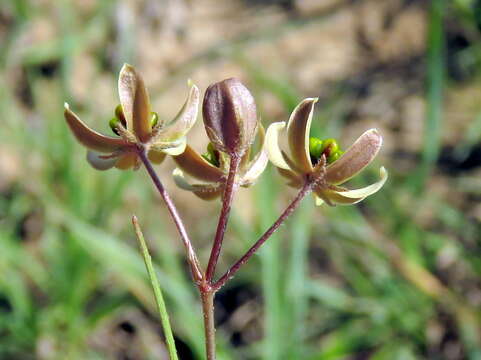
pixel 328 147
pixel 119 118
pixel 212 155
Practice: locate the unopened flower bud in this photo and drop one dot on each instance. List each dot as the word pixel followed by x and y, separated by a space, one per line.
pixel 230 116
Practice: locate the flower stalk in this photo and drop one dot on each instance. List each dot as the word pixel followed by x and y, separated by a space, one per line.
pixel 191 254
pixel 228 197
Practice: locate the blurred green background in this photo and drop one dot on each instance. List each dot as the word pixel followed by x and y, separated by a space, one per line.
pixel 397 277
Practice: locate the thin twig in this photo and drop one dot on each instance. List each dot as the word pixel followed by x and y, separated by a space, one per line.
pixel 191 255
pixel 229 191
pixel 159 299
pixel 306 189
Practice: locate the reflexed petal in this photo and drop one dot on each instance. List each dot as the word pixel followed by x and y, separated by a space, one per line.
pixel 91 138
pixel 356 158
pixel 272 145
pixel 298 134
pixel 156 156
pixel 368 190
pixel 177 148
pixel 126 161
pixel 294 179
pixel 98 162
pixel 204 191
pixel 135 102
pixel 256 167
pixel 184 120
pixel 336 198
pixel 196 166
pixel 318 200
pixel 259 163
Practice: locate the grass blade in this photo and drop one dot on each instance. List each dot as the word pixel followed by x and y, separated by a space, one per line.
pixel 435 85
pixel 159 299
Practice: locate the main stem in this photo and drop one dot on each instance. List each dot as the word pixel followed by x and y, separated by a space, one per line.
pixel 191 255
pixel 306 189
pixel 207 298
pixel 229 192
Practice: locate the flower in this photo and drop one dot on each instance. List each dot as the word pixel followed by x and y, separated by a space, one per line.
pixel 322 164
pixel 136 127
pixel 230 121
pixel 212 168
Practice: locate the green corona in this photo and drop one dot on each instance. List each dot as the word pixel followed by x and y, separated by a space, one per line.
pixel 328 147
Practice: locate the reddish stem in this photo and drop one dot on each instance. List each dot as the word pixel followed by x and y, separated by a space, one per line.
pixel 306 189
pixel 229 191
pixel 191 255
pixel 207 298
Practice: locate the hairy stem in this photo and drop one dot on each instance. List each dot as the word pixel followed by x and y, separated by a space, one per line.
pixel 191 255
pixel 229 191
pixel 207 297
pixel 306 189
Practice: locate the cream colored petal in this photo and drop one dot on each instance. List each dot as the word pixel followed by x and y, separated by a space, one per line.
pixel 368 190
pixel 180 180
pixel 91 138
pixel 336 198
pixel 298 129
pixel 135 102
pixel 176 149
pixel 196 166
pixel 184 120
pixel 204 191
pixel 98 162
pixel 274 152
pixel 257 166
pixel 318 200
pixel 356 158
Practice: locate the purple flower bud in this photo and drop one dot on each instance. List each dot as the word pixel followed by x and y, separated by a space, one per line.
pixel 230 116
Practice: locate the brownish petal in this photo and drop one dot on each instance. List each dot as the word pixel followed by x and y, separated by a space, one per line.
pixel 209 194
pixel 195 165
pixel 356 158
pixel 184 120
pixel 156 156
pixel 126 161
pixel 298 134
pixel 135 102
pixel 294 180
pixel 91 138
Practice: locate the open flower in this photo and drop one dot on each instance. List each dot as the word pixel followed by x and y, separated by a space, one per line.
pixel 210 170
pixel 136 127
pixel 306 160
